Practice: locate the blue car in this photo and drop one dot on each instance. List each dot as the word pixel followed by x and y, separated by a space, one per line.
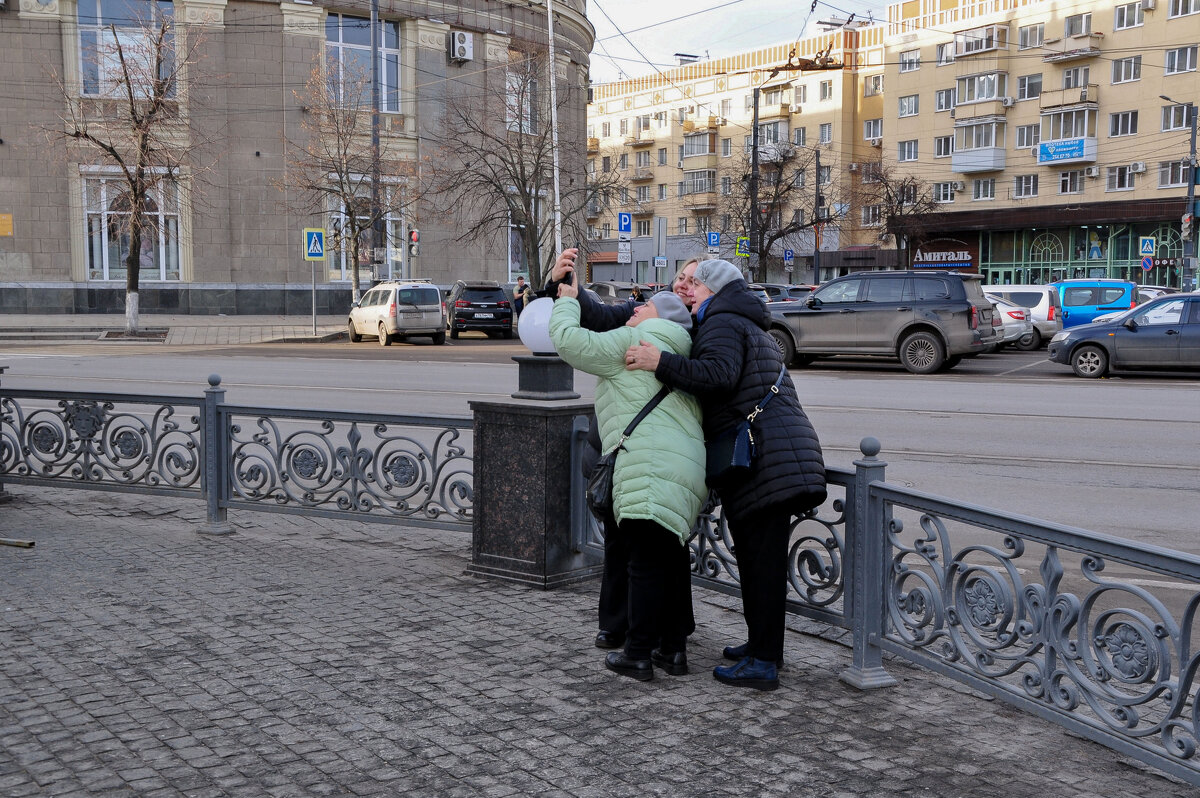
pixel 1163 334
pixel 1085 299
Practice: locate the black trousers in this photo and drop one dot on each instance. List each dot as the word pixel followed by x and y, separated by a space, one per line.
pixel 761 548
pixel 614 583
pixel 658 616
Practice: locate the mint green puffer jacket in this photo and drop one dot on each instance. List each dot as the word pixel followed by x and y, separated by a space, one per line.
pixel 659 476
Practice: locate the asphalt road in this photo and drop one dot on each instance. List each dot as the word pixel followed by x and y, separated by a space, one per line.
pixel 1011 431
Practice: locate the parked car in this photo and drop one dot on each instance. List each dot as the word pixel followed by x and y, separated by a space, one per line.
pixel 1148 292
pixel 1084 299
pixel 781 292
pixel 481 306
pixel 930 320
pixel 1162 334
pixel 1012 320
pixel 614 293
pixel 759 291
pixel 393 310
pixel 1045 309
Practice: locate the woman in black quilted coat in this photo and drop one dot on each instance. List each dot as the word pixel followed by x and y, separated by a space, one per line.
pixel 733 365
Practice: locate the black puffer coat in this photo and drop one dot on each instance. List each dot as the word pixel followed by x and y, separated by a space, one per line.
pixel 733 365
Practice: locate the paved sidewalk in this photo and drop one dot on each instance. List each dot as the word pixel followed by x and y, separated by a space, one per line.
pixel 181 329
pixel 313 657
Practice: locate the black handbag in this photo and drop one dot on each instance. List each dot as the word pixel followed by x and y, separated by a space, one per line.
pixel 599 490
pixel 730 456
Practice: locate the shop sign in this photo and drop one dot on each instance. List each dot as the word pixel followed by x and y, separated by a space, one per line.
pixel 945 253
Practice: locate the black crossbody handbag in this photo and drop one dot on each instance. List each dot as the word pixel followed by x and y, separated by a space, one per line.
pixel 730 456
pixel 600 481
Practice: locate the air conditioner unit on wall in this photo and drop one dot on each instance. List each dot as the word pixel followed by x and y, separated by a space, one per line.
pixel 1147 5
pixel 462 46
pixel 959 185
pixel 1007 101
pixel 853 167
pixel 1137 167
pixel 1092 171
pixel 876 142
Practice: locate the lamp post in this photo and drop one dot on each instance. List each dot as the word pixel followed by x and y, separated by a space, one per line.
pixel 1189 244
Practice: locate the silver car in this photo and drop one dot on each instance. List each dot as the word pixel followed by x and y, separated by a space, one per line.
pixel 394 310
pixel 1046 310
pixel 1014 321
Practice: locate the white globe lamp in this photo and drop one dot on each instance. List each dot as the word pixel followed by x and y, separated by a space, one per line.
pixel 543 375
pixel 533 326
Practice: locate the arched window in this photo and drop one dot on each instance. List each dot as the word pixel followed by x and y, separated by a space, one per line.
pixel 107 205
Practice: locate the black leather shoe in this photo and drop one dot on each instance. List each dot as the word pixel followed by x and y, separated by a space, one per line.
pixel 640 669
pixel 609 639
pixel 674 663
pixel 737 653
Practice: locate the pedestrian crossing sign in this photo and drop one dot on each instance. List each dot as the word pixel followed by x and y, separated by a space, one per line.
pixel 314 243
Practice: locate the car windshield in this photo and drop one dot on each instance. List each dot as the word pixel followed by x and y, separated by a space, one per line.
pixel 483 295
pixel 419 296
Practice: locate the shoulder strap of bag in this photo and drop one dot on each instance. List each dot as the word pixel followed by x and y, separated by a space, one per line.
pixel 653 403
pixel 758 408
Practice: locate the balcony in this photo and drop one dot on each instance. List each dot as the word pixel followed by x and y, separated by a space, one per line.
pixel 977 111
pixel 1067 151
pixel 1057 98
pixel 1071 48
pixel 593 146
pixel 775 111
pixel 644 139
pixel 701 201
pixel 980 159
pixel 593 210
pixel 641 174
pixel 641 208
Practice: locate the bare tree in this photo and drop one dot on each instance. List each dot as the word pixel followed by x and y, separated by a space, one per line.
pixel 496 173
pixel 902 202
pixel 334 163
pixel 129 108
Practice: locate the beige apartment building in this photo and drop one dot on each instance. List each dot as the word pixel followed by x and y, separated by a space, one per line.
pixel 1038 130
pixel 231 240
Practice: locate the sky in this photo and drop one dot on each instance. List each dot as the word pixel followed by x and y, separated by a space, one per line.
pixel 661 28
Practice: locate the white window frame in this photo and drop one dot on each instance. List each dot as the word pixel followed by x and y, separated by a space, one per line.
pixel 1028 136
pixel 980 136
pixel 1029 86
pixel 1174 117
pixel 1128 15
pixel 1172 173
pixel 1077 25
pixel 980 88
pixel 1076 77
pixel 943 192
pixel 943 146
pixel 980 40
pixel 1025 186
pixel 943 100
pixel 1076 123
pixel 945 53
pixel 1182 8
pixel 106 233
pixel 983 188
pixel 643 228
pixel 521 99
pixel 1119 178
pixel 825 133
pixel 872 129
pixel 1125 70
pixel 1122 123
pixel 907 150
pixel 1029 36
pixel 726 148
pixel 872 215
pixel 908 105
pixel 910 60
pixel 662 191
pixel 800 136
pixel 1180 60
pixel 872 85
pixel 826 90
pixel 1071 182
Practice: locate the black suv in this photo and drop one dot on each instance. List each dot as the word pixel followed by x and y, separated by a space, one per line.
pixel 482 306
pixel 929 320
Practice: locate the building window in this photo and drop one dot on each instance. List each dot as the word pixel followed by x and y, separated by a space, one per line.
pixel 623 126
pixel 980 136
pixel 910 60
pixel 1029 86
pixel 1076 77
pixel 801 94
pixel 1180 8
pixel 799 178
pixel 772 96
pixel 1068 125
pixel 1123 124
pixel 521 98
pixel 825 90
pixel 605 129
pixel 945 53
pixel 1025 186
pixel 1078 25
pixel 107 208
pixel 943 192
pixel 606 230
pixel 872 85
pixel 623 161
pixel 1031 36
pixel 977 88
pixel 872 172
pixel 943 146
pixel 1129 15
pixel 872 215
pixel 825 175
pixel 1181 59
pixel 1071 182
pixel 643 194
pixel 825 134
pixel 643 122
pixel 727 108
pixel 1127 69
pixel 700 181
pixel 1172 173
pixel 103 26
pixel 662 191
pixel 1174 117
pixel 643 159
pixel 1028 136
pixel 1120 178
pixel 643 227
pixel 978 40
pixel 341 266
pixel 943 100
pixel 800 136
pixel 698 144
pixel 907 150
pixel 726 147
pixel 909 105
pixel 660 120
pixel 662 156
pixel 873 129
pixel 681 226
pixel 984 189
pixel 726 186
pixel 703 224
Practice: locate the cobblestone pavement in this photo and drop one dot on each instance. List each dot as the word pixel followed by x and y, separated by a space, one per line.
pixel 312 657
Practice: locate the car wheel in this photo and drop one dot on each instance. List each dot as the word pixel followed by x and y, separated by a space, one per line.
pixel 439 338
pixel 454 334
pixel 354 336
pixel 922 353
pixel 1089 361
pixel 384 338
pixel 1028 343
pixel 786 347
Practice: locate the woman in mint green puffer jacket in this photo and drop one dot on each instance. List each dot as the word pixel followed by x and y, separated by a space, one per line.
pixel 658 478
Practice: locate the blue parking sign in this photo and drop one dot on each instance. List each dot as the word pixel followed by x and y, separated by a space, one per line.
pixel 714 239
pixel 624 222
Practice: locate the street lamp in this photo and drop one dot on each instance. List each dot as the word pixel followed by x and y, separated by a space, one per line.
pixel 1189 244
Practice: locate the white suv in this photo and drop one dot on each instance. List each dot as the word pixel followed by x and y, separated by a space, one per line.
pixel 395 310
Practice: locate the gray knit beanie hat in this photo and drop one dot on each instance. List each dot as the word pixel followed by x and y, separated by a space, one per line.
pixel 671 308
pixel 716 274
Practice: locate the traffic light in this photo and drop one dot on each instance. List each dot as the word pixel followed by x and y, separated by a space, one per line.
pixel 414 242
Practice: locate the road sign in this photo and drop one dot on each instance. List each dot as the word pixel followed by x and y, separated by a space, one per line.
pixel 624 226
pixel 789 257
pixel 789 269
pixel 714 240
pixel 624 257
pixel 714 250
pixel 314 243
pixel 625 247
pixel 660 262
pixel 1147 263
pixel 743 246
pixel 1146 245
